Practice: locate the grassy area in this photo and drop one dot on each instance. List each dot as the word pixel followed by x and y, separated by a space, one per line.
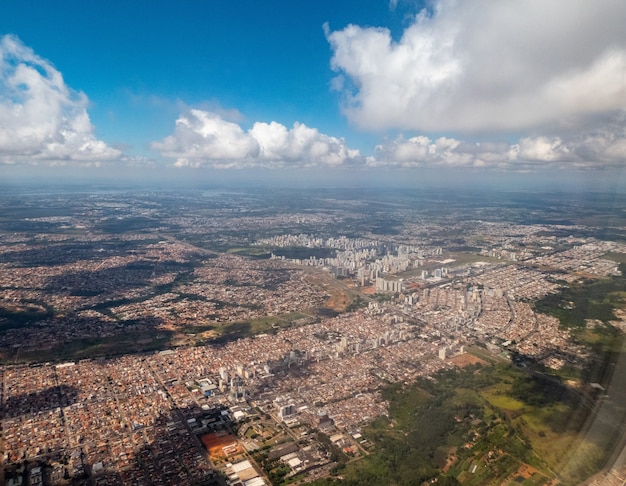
pixel 591 299
pixel 252 251
pixel 462 258
pixel 486 355
pixel 484 425
pixel 92 347
pixel 587 309
pixel 197 329
pixel 499 397
pixel 403 402
pixel 616 257
pixel 269 324
pixel 340 295
pixel 552 426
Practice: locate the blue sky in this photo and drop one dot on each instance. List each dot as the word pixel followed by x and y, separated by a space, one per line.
pixel 347 89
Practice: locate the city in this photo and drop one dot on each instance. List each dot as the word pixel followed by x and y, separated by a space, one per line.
pixel 325 243
pixel 227 345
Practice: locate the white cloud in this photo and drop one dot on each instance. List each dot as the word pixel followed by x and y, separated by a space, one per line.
pixel 204 139
pixel 300 145
pixel 599 149
pixel 486 65
pixel 205 136
pixel 541 149
pixel 42 120
pixel 421 151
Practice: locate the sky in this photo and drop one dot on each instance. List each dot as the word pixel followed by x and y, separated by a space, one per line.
pixel 403 91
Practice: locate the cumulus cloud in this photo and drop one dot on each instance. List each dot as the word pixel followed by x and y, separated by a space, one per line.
pixel 602 148
pixel 485 65
pixel 42 120
pixel 421 151
pixel 205 139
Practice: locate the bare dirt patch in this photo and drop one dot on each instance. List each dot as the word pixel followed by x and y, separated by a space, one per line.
pixel 220 445
pixel 467 359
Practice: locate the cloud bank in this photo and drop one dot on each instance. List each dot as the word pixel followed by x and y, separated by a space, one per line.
pixel 486 65
pixel 600 149
pixel 204 139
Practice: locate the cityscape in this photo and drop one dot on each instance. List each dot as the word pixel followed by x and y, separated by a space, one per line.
pixel 223 337
pixel 356 243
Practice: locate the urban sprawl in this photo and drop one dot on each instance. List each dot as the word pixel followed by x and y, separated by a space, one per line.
pixel 194 411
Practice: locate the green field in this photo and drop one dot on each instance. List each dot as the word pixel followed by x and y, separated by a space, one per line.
pixel 489 425
pixel 500 397
pixel 92 347
pixel 616 257
pixel 232 331
pixel 591 299
pixel 252 251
